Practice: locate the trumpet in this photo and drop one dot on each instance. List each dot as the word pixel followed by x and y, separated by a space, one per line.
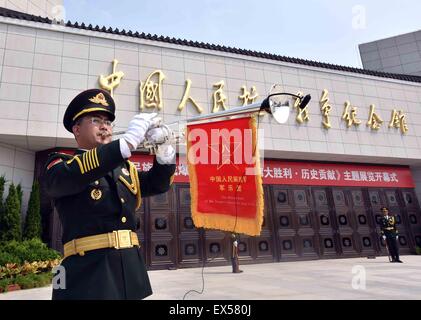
pixel 273 104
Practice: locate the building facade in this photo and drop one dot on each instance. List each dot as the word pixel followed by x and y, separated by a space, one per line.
pixel 399 54
pixel 327 171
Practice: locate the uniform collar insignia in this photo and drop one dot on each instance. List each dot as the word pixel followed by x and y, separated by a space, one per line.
pixel 100 99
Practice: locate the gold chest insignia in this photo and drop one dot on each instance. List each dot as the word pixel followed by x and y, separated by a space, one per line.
pixel 125 172
pixel 96 194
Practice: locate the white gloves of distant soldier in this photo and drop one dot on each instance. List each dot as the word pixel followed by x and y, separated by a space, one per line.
pixel 397 237
pixel 138 127
pixel 384 237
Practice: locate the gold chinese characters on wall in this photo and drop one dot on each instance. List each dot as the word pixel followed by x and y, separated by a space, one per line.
pixel 349 115
pixel 151 96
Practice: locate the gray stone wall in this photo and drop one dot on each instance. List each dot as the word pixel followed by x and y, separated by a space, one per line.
pixel 400 54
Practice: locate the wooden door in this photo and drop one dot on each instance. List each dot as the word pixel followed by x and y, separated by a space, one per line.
pixel 345 222
pixel 326 228
pixel 412 215
pixel 161 231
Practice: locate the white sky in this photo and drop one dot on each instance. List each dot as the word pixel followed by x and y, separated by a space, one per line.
pixel 321 30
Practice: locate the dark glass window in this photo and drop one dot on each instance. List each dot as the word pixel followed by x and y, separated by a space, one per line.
pixel 284 221
pixel 413 219
pixel 160 223
pixel 190 249
pixel 161 250
pixel 408 198
pixel 214 247
pixel 242 247
pixel 307 243
pixel 282 197
pixel 366 242
pixel 263 246
pixel 346 242
pixel 304 220
pixel 374 198
pixel 328 243
pixel 343 220
pixel 402 240
pixel 188 223
pixel 324 220
pixel 287 244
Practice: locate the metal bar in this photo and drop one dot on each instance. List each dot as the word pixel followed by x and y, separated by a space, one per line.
pixel 230 112
pixel 250 108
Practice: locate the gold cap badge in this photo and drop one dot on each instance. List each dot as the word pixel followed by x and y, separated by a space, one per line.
pixel 100 99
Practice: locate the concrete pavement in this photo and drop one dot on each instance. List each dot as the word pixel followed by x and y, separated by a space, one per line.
pixel 309 280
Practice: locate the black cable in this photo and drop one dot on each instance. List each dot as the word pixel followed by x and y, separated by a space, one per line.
pixel 203 283
pixel 203 279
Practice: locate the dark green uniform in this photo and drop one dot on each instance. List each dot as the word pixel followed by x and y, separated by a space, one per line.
pixel 94 194
pixel 389 230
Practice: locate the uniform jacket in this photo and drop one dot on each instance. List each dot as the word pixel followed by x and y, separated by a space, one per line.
pixel 94 192
pixel 388 227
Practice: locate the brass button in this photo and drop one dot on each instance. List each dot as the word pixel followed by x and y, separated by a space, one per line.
pixel 124 219
pixel 96 182
pixel 122 200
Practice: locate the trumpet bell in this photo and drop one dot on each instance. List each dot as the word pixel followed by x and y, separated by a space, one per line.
pixel 279 104
pixel 279 109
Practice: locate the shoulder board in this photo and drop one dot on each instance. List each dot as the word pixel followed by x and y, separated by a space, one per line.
pixel 60 154
pixel 55 158
pixel 63 156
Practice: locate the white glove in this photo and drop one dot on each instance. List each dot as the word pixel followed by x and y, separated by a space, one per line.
pixel 157 135
pixel 137 128
pixel 397 237
pixel 384 237
pixel 165 154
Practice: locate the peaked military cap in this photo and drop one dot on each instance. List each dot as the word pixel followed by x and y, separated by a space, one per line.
pixel 92 100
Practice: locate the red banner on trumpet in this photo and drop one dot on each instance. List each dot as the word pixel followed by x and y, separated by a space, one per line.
pixel 225 182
